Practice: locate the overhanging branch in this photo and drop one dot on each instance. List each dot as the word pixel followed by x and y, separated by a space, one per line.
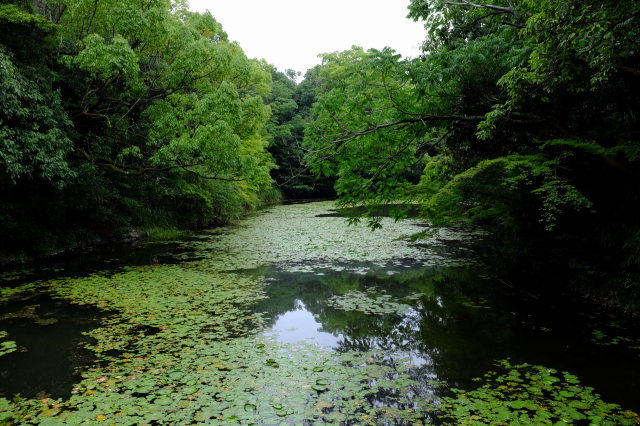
pixel 131 170
pixel 498 9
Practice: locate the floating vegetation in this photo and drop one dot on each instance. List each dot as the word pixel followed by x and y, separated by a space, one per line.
pixel 476 303
pixel 180 343
pixel 288 237
pixel 14 274
pixel 165 322
pixel 7 292
pixel 236 380
pixel 6 346
pixel 371 301
pixel 532 394
pixel 599 337
pixel 29 312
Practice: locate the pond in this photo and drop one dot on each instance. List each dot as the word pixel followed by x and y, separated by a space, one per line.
pixel 295 317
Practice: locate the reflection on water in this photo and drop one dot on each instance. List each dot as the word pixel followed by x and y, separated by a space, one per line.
pixel 458 325
pixel 300 325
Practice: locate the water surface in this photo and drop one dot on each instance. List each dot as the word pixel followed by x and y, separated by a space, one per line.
pixel 294 305
pixel 462 322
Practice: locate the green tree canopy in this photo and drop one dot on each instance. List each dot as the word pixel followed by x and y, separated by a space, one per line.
pixel 521 116
pixel 141 113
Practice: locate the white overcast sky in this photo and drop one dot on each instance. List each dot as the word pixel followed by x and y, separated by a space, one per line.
pixel 291 33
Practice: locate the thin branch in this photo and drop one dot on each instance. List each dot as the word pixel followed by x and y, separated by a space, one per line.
pixel 511 24
pixel 488 15
pixel 482 6
pixel 389 160
pixel 500 9
pixel 186 168
pixel 421 119
pixel 139 170
pixel 338 141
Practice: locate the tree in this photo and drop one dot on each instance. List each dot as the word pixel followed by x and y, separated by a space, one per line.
pixel 520 116
pixel 33 133
pixel 290 104
pixel 141 113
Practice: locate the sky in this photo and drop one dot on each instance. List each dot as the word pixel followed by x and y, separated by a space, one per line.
pixel 291 33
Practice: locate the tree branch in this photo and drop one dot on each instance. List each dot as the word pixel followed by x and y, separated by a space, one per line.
pixel 186 168
pixel 139 170
pixel 500 9
pixel 482 6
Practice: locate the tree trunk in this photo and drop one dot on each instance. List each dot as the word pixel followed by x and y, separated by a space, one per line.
pixel 51 12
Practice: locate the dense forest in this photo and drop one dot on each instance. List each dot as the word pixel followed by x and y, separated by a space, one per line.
pixel 122 119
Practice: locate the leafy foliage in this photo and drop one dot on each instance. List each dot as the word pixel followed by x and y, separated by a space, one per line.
pixel 290 105
pixel 34 129
pixel 134 115
pixel 475 195
pixel 519 116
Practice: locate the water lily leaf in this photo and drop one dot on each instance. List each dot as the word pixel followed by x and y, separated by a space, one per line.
pixel 272 363
pixel 163 401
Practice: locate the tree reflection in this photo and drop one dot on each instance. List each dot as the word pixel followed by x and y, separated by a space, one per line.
pixel 439 333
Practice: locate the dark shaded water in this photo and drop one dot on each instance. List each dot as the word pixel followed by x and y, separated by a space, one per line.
pixel 463 322
pixel 50 340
